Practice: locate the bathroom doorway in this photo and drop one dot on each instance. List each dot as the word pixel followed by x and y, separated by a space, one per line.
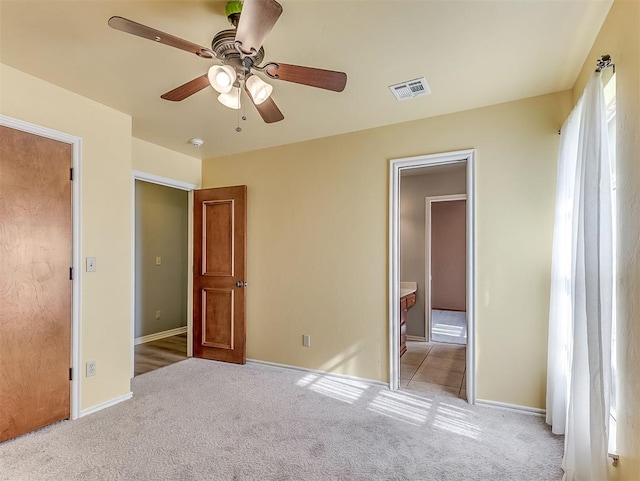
pixel 418 363
pixel 446 272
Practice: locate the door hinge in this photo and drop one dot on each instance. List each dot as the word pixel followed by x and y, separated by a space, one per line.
pixel 70 273
pixel 70 374
pixel 71 173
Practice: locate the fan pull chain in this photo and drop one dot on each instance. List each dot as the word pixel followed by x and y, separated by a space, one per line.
pixel 244 111
pixel 238 128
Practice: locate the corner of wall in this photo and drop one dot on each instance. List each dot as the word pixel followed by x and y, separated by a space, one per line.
pixel 157 160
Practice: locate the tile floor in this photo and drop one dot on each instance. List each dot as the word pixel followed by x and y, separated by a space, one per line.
pixel 434 368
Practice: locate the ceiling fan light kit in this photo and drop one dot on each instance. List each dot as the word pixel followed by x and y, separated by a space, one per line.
pixel 240 51
pixel 231 98
pixel 258 88
pixel 222 77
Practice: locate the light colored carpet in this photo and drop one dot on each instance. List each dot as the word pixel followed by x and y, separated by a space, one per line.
pixel 449 326
pixel 201 420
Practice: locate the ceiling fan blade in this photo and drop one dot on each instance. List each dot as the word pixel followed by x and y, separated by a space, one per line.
pixel 256 21
pixel 314 77
pixel 129 26
pixel 188 89
pixel 268 109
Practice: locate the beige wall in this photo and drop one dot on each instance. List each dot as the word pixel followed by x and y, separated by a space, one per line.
pixel 318 231
pixel 620 38
pixel 154 159
pixel 106 220
pixel 413 191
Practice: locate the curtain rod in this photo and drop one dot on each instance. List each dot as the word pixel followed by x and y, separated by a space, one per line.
pixel 604 62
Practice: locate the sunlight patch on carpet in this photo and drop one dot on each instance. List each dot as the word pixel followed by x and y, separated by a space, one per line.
pixel 455 420
pixel 345 390
pixel 401 407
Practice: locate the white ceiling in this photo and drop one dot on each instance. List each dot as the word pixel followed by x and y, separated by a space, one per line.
pixel 473 53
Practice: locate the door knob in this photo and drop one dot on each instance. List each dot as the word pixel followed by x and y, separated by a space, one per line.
pixel 241 284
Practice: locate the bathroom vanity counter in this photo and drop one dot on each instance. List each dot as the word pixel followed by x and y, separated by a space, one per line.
pixel 407 288
pixel 406 292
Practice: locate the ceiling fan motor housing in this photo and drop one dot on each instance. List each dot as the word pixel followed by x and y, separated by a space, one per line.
pixel 224 48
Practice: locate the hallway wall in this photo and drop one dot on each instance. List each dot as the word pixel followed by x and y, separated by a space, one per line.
pixel 161 231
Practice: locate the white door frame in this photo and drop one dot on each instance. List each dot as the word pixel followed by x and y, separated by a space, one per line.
pixel 396 166
pixel 427 269
pixel 177 184
pixel 76 213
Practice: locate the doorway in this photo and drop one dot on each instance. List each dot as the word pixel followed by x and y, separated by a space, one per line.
pixel 398 285
pixel 162 241
pixel 446 272
pixel 41 308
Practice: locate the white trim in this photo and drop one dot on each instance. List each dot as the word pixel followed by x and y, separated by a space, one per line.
pixel 316 371
pixel 160 335
pixel 427 267
pixel 76 283
pixel 106 404
pixel 167 182
pixel 471 278
pixel 190 278
pixel 132 314
pixel 396 165
pixel 511 407
pixel 417 338
pixel 176 184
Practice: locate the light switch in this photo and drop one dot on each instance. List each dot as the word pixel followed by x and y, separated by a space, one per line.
pixel 158 260
pixel 91 264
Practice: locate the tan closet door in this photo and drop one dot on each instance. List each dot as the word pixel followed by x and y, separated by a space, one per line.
pixel 35 286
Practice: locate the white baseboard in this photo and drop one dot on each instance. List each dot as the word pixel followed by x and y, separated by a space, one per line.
pixel 323 373
pixel 511 407
pixel 160 335
pixel 417 338
pixel 106 404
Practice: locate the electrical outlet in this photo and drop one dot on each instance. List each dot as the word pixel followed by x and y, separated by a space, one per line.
pixel 157 315
pixel 91 368
pixel 306 340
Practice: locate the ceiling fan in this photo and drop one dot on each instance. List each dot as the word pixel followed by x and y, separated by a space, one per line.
pixel 240 52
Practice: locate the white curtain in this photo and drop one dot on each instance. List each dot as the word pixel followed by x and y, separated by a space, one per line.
pixel 579 356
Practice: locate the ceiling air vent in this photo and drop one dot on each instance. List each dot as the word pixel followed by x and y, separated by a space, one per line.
pixel 410 89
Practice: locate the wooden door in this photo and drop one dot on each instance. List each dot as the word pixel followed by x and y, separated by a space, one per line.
pixel 35 285
pixel 219 264
pixel 449 255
